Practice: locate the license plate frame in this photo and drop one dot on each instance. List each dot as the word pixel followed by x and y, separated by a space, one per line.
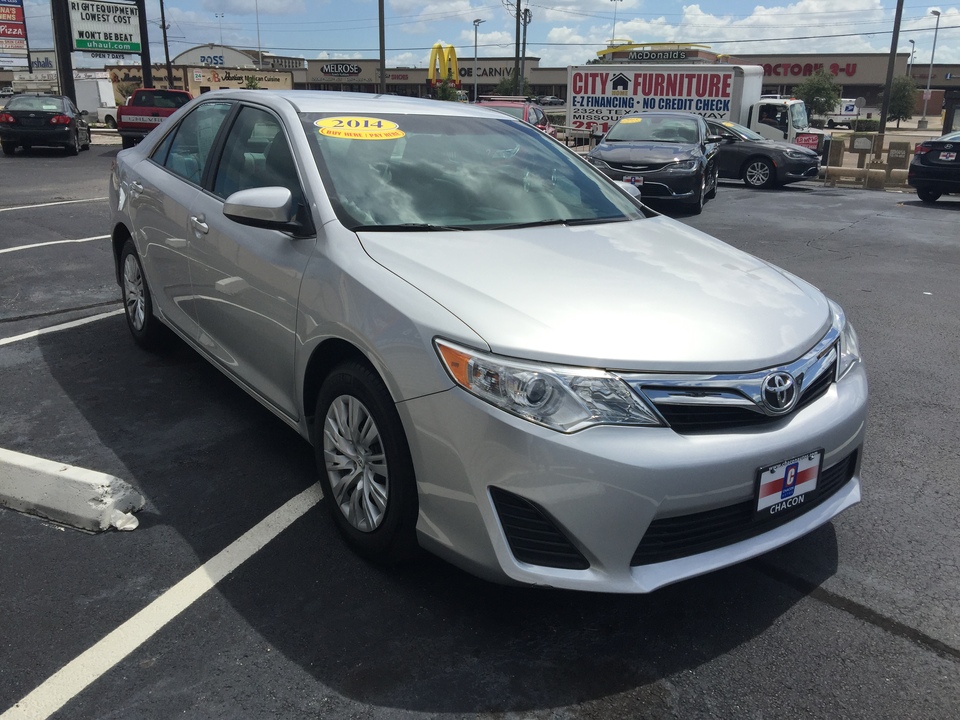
pixel 948 156
pixel 788 484
pixel 636 180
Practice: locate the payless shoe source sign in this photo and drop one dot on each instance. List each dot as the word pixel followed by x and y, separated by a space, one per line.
pixel 109 26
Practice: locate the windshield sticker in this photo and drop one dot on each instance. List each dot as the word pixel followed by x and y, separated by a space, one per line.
pixel 350 127
pixel 630 121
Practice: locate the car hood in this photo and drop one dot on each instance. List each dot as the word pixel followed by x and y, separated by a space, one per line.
pixel 644 152
pixel 650 294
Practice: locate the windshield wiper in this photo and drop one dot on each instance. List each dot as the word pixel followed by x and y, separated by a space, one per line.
pixel 401 227
pixel 556 221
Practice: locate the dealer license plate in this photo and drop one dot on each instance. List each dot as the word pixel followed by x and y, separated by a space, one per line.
pixel 633 179
pixel 948 156
pixel 788 484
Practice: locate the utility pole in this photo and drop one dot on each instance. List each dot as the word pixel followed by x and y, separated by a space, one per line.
pixel 63 42
pixel 527 17
pixel 383 54
pixel 885 104
pixel 516 63
pixel 146 67
pixel 166 47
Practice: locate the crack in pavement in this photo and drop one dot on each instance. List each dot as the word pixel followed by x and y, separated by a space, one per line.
pixel 860 611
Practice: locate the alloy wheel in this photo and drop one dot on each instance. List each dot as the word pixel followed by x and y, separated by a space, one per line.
pixel 133 292
pixel 356 463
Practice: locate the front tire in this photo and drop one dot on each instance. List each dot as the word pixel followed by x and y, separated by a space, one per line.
pixel 712 193
pixel 148 332
pixel 928 196
pixel 759 173
pixel 365 466
pixel 695 207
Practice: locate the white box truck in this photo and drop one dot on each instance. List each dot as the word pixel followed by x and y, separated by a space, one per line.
pixel 96 97
pixel 599 95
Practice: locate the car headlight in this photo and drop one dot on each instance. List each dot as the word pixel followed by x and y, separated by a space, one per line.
pixel 798 155
pixel 597 162
pixel 849 346
pixel 565 399
pixel 685 165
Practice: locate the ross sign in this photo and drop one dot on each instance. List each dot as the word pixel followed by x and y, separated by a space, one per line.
pixel 103 25
pixel 447 57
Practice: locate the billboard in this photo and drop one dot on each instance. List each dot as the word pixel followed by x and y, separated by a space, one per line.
pixel 105 26
pixel 13 34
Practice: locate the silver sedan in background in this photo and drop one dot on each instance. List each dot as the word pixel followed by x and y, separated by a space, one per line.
pixel 497 354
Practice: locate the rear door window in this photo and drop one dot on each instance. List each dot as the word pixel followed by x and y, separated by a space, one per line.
pixel 193 140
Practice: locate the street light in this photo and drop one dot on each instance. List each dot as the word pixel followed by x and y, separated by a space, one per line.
pixel 933 50
pixel 219 17
pixel 476 25
pixel 613 33
pixel 913 50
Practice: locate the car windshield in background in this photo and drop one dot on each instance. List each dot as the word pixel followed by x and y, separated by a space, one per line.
pixel 744 132
pixel 654 129
pixel 397 172
pixel 32 102
pixel 514 110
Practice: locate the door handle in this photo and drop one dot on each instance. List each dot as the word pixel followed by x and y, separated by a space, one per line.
pixel 135 188
pixel 199 226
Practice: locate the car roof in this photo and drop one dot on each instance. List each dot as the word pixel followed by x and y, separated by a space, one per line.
pixel 321 101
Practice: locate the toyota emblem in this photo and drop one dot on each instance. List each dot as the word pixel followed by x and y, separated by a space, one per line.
pixel 779 393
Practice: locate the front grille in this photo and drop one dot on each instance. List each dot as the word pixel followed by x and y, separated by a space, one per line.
pixel 677 537
pixel 649 167
pixel 532 536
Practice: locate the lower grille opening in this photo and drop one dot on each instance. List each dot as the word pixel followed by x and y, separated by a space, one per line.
pixel 678 537
pixel 532 536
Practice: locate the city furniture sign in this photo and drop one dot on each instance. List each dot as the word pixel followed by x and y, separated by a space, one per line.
pixel 102 25
pixel 13 34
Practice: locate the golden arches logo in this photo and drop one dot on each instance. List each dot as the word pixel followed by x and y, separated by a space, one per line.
pixel 447 57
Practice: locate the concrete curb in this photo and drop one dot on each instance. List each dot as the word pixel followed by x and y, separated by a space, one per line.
pixel 73 496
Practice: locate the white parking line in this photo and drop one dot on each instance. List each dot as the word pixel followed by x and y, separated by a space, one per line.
pixel 52 242
pixel 90 665
pixel 58 328
pixel 51 204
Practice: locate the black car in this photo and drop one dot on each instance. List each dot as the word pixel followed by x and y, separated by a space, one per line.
pixel 669 156
pixel 29 120
pixel 759 162
pixel 935 168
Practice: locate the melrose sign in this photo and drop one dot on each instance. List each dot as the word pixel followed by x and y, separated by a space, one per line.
pixel 105 26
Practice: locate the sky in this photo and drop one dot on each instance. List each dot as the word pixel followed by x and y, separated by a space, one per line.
pixel 560 33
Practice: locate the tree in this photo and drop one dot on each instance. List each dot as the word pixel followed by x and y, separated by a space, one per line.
pixel 903 99
pixel 508 86
pixel 447 90
pixel 819 93
pixel 251 83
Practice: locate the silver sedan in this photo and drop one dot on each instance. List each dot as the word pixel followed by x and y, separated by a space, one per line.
pixel 498 354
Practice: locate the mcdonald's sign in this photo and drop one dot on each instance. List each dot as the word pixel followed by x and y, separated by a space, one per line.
pixel 447 58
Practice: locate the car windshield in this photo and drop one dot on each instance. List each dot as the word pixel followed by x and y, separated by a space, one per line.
pixel 396 172
pixel 798 116
pixel 32 102
pixel 744 132
pixel 514 110
pixel 952 137
pixel 653 128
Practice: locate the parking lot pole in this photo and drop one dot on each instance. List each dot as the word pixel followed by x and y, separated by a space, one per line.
pixel 146 69
pixel 63 42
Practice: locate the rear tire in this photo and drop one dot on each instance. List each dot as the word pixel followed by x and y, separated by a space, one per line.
pixel 73 148
pixel 9 148
pixel 364 464
pixel 928 196
pixel 148 332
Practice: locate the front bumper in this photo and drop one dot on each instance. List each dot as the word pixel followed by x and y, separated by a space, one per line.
pixel 675 185
pixel 797 170
pixel 603 487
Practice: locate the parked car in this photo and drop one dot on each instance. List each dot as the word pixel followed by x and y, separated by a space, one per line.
pixel 6 92
pixel 28 120
pixel 670 156
pixel 759 162
pixel 144 110
pixel 497 354
pixel 935 169
pixel 523 109
pixel 550 100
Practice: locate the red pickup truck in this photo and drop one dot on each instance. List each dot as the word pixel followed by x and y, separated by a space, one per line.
pixel 145 109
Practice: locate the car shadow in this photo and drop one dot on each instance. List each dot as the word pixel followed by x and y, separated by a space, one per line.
pixel 422 637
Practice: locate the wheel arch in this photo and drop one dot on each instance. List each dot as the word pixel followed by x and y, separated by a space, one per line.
pixel 324 358
pixel 118 239
pixel 752 158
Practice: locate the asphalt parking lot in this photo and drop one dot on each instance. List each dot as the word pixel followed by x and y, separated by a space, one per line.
pixel 236 598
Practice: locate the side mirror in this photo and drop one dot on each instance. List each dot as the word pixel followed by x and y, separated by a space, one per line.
pixel 717 138
pixel 267 207
pixel 84 113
